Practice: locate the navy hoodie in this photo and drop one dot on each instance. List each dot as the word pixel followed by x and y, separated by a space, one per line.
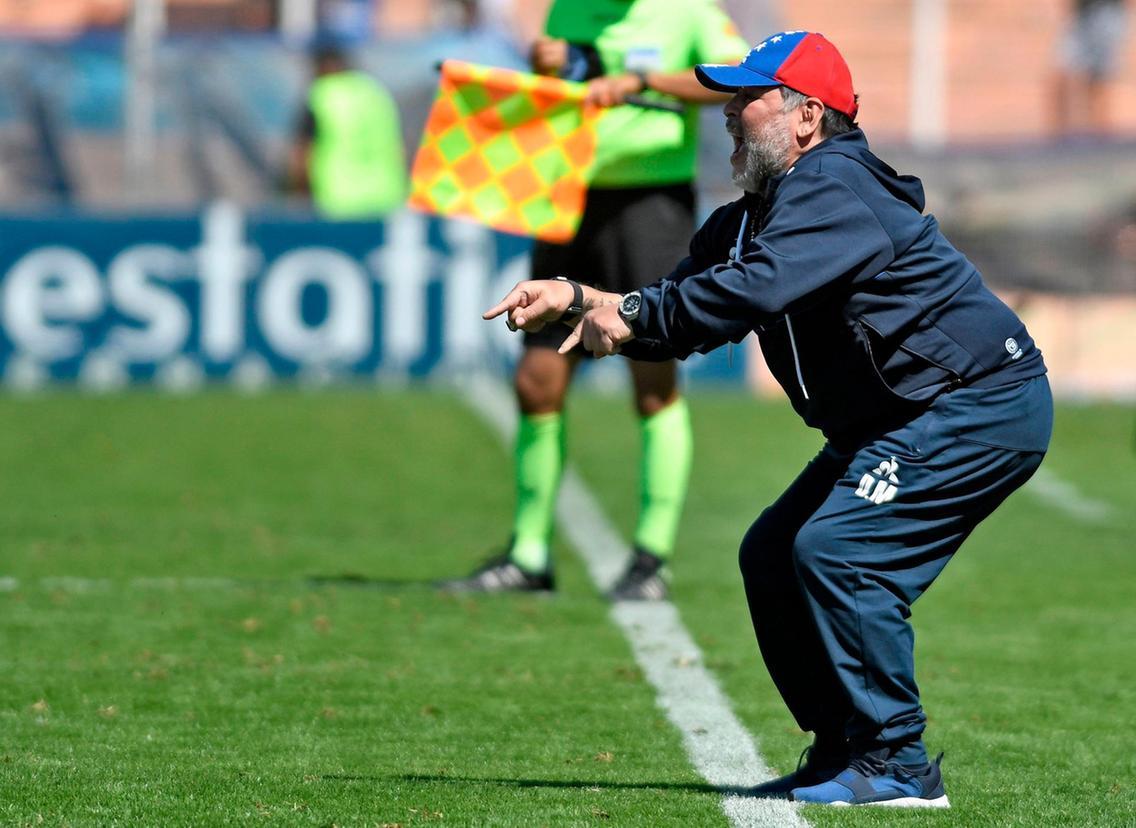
pixel 864 310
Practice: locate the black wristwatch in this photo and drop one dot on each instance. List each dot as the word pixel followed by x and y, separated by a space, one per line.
pixel 644 86
pixel 577 306
pixel 629 306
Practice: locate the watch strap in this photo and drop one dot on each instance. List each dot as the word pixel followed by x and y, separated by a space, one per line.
pixel 577 306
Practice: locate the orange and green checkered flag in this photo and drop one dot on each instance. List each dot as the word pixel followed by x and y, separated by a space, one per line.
pixel 507 149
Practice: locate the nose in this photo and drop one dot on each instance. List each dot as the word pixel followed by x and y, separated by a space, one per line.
pixel 733 105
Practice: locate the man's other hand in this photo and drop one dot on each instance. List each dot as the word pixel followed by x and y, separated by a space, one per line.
pixel 602 331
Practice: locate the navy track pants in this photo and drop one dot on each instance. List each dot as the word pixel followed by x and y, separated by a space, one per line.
pixel 832 568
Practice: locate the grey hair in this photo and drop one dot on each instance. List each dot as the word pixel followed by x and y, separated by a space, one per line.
pixel 831 123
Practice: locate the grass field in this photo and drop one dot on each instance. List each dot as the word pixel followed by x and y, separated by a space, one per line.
pixel 184 641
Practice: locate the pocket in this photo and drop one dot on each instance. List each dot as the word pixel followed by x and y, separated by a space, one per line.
pixel 1017 416
pixel 905 372
pixel 915 438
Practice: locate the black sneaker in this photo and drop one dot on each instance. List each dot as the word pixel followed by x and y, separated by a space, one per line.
pixel 644 580
pixel 814 767
pixel 500 574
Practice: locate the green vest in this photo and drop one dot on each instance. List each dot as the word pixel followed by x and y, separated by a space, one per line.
pixel 357 167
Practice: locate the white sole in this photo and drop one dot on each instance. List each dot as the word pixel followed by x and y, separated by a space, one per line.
pixel 903 802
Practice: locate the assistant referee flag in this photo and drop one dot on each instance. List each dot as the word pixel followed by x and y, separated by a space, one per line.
pixel 507 149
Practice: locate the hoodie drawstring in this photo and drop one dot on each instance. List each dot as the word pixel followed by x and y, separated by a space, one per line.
pixel 796 358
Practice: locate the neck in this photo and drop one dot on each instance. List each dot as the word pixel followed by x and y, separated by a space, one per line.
pixel 799 149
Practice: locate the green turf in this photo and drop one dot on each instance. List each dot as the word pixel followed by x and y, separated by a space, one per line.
pixel 273 698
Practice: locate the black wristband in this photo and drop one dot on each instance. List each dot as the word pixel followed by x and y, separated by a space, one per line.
pixel 577 306
pixel 643 85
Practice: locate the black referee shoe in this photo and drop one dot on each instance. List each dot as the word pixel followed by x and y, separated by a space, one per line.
pixel 500 574
pixel 644 580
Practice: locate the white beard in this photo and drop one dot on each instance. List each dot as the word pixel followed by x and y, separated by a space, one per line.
pixel 767 155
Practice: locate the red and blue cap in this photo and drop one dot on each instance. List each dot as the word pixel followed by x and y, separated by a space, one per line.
pixel 805 61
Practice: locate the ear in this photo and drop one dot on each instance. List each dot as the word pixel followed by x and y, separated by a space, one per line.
pixel 808 125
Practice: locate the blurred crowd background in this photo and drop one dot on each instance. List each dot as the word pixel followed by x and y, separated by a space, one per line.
pixel 1019 116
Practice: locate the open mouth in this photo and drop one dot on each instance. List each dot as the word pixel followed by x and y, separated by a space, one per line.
pixel 735 133
pixel 738 145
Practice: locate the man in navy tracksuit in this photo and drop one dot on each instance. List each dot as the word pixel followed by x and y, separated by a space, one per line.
pixel 929 391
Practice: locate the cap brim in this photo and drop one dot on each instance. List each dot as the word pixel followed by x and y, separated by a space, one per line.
pixel 730 78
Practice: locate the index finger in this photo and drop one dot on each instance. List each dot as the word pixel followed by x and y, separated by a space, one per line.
pixel 573 337
pixel 514 298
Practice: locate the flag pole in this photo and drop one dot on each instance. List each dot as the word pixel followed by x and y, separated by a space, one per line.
pixel 631 100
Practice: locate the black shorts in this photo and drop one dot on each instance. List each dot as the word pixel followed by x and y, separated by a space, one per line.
pixel 628 238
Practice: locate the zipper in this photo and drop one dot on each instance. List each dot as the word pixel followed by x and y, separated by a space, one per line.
pixel 735 254
pixel 796 356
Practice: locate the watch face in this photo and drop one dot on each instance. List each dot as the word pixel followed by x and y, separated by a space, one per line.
pixel 629 307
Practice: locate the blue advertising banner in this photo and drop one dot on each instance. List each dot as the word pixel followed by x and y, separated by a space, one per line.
pixel 250 298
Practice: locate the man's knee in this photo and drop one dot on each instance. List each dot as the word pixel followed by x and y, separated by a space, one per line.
pixel 814 551
pixel 541 381
pixel 764 546
pixel 649 405
pixel 656 386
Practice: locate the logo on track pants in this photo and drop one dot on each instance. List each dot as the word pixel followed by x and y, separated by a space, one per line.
pixel 882 484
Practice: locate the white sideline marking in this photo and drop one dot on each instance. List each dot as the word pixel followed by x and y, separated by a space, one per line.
pixel 719 747
pixel 1064 496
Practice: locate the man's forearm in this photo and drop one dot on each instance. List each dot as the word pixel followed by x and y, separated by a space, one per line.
pixel 596 298
pixel 683 85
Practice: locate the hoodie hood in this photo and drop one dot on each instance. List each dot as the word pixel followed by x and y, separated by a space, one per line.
pixel 854 145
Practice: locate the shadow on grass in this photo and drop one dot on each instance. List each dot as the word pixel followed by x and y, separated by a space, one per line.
pixel 441 587
pixel 352 580
pixel 693 787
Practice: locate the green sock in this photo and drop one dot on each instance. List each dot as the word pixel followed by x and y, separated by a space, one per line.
pixel 538 463
pixel 663 476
